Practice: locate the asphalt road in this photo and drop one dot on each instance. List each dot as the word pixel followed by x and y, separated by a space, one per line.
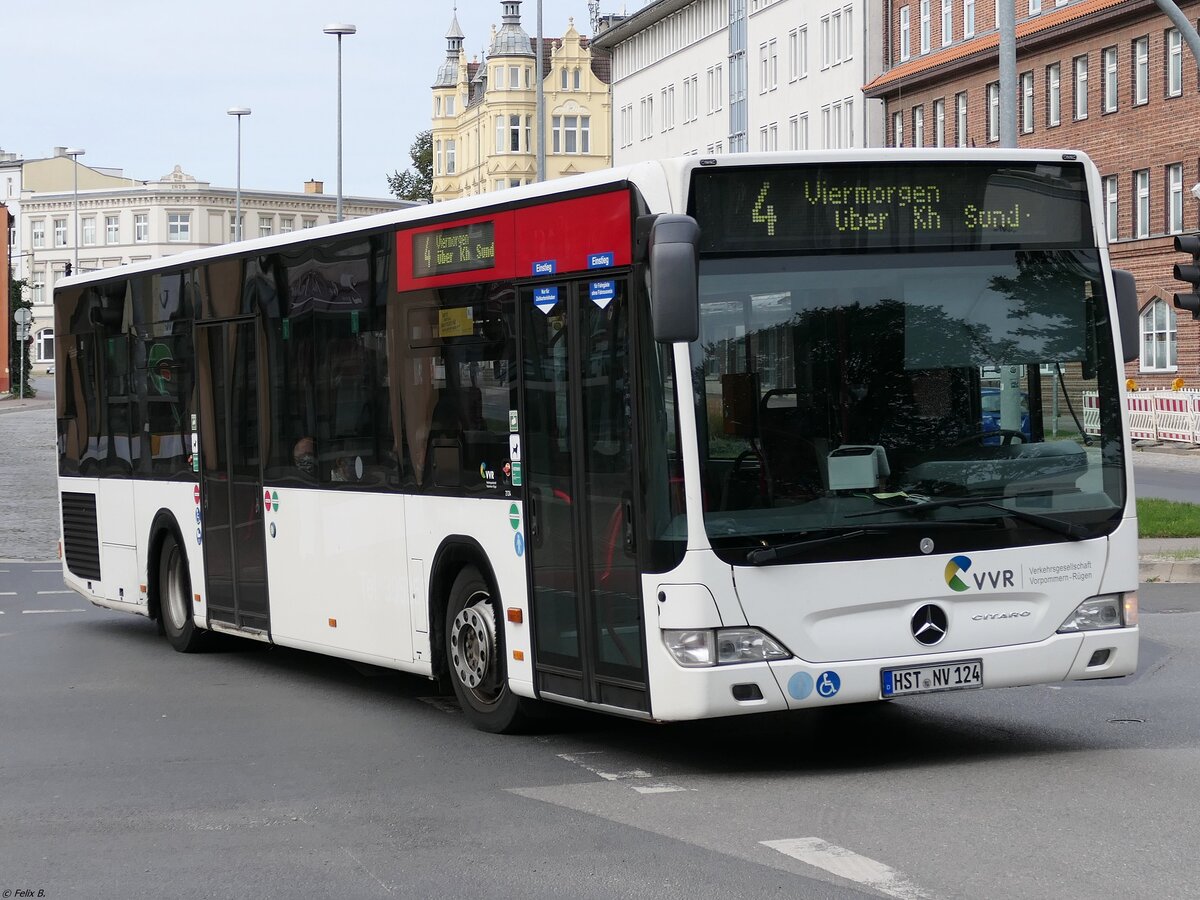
pixel 128 770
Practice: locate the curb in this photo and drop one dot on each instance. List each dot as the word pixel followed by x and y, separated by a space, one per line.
pixel 1159 571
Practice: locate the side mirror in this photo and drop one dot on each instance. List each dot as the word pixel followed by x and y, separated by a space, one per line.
pixel 674 278
pixel 1127 312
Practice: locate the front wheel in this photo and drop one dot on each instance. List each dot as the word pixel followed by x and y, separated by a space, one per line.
pixel 475 656
pixel 175 598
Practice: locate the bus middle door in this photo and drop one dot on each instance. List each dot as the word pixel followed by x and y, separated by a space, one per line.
pixel 235 554
pixel 589 636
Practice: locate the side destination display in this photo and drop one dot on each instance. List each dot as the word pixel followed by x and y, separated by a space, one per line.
pixel 463 248
pixel 857 206
pixel 576 234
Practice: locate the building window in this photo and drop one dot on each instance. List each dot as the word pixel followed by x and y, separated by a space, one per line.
pixel 309 222
pixel 575 79
pixel 627 125
pixel 904 28
pixel 968 18
pixel 647 118
pixel 60 232
pixel 287 224
pixel 89 231
pixel 691 98
pixel 1141 208
pixel 846 32
pixel 773 64
pixel 450 105
pixel 266 224
pixel 1174 63
pixel 1027 102
pixel 939 122
pixel 947 22
pixel 1081 81
pixel 179 227
pixel 898 129
pixel 1035 7
pixel 141 228
pixel 1110 207
pixel 43 346
pixel 437 157
pixel 797 54
pixel 571 134
pixel 993 111
pixel 112 230
pixel 514 134
pixel 960 119
pixel 715 78
pixel 1109 75
pixel 1053 94
pixel 918 114
pixel 762 68
pixel 1158 337
pixel 1141 71
pixel 38 240
pixel 926 25
pixel 1175 198
pixel 451 168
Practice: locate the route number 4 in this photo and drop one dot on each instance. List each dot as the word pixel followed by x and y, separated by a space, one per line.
pixel 763 212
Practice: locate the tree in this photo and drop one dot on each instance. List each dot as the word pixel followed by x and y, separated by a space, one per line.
pixel 418 185
pixel 16 300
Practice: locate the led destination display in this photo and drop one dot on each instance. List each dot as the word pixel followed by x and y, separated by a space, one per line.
pixel 462 248
pixel 860 206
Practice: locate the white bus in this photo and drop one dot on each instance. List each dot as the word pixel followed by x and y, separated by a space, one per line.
pixel 701 437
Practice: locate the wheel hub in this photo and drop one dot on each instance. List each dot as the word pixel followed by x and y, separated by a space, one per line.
pixel 473 643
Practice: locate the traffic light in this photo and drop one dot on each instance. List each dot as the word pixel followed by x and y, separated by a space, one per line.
pixel 1189 272
pixel 67 270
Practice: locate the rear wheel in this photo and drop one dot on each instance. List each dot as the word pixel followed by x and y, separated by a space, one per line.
pixel 175 597
pixel 475 656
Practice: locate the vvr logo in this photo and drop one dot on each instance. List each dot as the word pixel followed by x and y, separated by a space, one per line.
pixel 957 568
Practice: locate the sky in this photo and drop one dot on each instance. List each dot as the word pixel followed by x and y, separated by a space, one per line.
pixel 143 85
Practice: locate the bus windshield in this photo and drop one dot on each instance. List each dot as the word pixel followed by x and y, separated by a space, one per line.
pixel 967 394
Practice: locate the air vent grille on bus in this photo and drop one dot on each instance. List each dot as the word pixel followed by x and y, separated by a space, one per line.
pixel 81 542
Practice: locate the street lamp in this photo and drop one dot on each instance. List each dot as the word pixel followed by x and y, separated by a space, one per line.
pixel 75 153
pixel 339 30
pixel 238 111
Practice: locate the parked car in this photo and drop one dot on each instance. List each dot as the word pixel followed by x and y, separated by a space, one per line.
pixel 990 398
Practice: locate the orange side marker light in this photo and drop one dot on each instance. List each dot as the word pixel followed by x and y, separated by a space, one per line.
pixel 515 615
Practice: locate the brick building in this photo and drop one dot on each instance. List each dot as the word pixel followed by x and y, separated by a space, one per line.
pixel 1110 77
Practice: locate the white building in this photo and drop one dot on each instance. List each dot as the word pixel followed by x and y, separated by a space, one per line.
pixel 122 220
pixel 718 76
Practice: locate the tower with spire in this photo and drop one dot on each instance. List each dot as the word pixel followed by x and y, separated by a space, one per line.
pixel 484 112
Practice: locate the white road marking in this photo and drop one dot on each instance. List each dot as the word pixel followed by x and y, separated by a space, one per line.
pixel 44 571
pixel 40 593
pixel 657 787
pixel 607 776
pixel 8 593
pixel 27 612
pixel 849 865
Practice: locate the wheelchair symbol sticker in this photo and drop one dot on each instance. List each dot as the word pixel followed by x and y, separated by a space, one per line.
pixel 828 684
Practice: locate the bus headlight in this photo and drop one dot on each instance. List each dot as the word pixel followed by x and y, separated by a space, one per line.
pixel 722 646
pixel 1105 611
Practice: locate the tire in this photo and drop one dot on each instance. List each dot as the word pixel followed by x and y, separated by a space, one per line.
pixel 475 655
pixel 175 598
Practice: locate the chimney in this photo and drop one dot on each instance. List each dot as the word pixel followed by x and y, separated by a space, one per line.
pixel 314 187
pixel 60 151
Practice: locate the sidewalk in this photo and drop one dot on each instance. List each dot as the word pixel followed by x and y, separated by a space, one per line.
pixel 9 404
pixel 1174 560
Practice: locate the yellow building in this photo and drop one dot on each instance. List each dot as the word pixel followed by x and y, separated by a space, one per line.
pixel 484 113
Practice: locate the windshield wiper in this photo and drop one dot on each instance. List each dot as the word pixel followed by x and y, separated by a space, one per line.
pixel 763 555
pixel 1058 526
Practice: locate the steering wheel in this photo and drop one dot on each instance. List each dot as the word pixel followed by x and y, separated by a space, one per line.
pixel 1006 435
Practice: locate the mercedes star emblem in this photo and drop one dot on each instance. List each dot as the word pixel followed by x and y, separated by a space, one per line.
pixel 929 624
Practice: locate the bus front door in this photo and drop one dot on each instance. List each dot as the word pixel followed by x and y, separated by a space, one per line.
pixel 231 475
pixel 589 636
